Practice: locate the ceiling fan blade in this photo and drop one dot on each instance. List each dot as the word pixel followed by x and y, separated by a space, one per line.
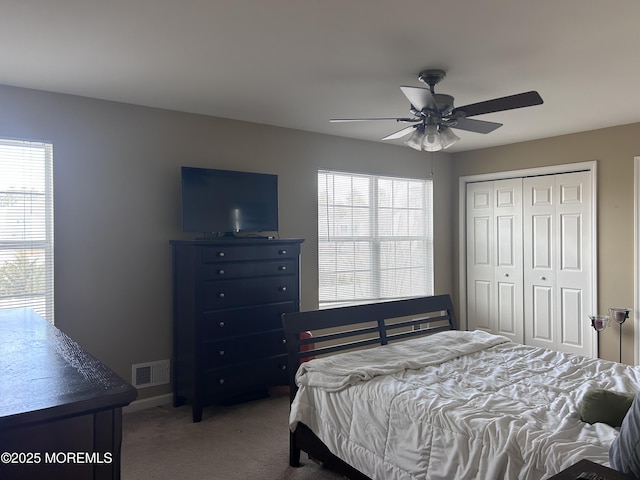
pixel 520 100
pixel 421 98
pixel 477 126
pixel 395 119
pixel 400 133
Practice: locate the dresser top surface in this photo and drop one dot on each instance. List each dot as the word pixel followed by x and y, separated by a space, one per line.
pixel 237 241
pixel 44 374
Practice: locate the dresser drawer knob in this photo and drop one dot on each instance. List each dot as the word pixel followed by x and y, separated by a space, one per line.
pixel 221 254
pixel 283 367
pixel 284 340
pixel 221 353
pixel 282 252
pixel 221 295
pixel 282 268
pixel 221 381
pixel 221 324
pixel 283 289
pixel 221 272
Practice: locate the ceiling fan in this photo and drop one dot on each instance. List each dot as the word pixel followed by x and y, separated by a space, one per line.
pixel 434 114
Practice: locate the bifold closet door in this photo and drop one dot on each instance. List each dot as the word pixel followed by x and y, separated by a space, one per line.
pixel 494 257
pixel 557 261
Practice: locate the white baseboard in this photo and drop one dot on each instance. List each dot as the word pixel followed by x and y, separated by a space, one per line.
pixel 143 404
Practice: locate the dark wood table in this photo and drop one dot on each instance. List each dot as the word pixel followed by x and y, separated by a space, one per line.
pixel 60 408
pixel 590 467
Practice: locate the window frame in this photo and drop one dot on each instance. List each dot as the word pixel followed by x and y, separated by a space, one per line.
pixel 45 244
pixel 375 239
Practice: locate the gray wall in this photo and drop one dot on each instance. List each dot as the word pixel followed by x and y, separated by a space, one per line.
pixel 117 201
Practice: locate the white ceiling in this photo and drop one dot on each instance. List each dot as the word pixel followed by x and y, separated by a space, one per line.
pixel 298 63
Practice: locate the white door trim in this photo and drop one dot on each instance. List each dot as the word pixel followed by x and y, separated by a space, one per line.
pixel 550 170
pixel 636 259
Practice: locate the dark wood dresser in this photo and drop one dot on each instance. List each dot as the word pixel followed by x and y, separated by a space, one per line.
pixel 60 408
pixel 229 295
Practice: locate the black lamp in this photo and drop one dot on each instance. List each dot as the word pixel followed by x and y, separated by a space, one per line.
pixel 619 315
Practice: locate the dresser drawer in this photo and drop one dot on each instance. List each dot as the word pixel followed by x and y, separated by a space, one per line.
pixel 236 350
pixel 248 377
pixel 242 321
pixel 225 270
pixel 232 253
pixel 249 291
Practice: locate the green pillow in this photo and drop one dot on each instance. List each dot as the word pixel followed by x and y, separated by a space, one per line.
pixel 605 406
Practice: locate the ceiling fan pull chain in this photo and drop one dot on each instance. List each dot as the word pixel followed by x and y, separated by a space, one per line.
pixel 431 174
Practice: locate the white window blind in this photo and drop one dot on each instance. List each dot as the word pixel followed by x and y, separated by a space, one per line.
pixel 375 238
pixel 26 226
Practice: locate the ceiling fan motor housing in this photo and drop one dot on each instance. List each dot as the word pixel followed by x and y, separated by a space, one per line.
pixel 445 103
pixel 432 77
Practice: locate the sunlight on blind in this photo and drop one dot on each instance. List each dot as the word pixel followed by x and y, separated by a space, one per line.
pixel 26 226
pixel 375 238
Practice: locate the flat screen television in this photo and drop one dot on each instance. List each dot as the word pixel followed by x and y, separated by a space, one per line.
pixel 226 202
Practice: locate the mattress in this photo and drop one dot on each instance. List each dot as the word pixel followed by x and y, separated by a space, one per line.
pixel 457 405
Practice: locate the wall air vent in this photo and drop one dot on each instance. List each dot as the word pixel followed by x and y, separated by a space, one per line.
pixel 151 373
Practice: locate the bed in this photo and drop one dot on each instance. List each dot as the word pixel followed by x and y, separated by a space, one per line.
pixel 394 390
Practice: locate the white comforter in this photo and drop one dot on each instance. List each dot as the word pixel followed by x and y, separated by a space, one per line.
pixel 457 405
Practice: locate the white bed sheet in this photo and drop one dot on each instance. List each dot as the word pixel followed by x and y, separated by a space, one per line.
pixel 496 411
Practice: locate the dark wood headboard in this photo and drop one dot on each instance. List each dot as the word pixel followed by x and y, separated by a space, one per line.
pixel 362 326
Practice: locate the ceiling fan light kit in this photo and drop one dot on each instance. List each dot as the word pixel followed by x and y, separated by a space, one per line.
pixel 431 139
pixel 447 137
pixel 415 139
pixel 434 114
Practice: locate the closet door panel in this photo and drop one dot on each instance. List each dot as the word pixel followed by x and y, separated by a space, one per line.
pixel 557 225
pixel 508 309
pixel 494 262
pixel 542 242
pixel 574 262
pixel 481 242
pixel 539 277
pixel 508 266
pixel 480 257
pixel 481 306
pixel 571 242
pixel 541 328
pixel 572 315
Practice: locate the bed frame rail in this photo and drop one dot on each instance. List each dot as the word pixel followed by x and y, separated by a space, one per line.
pixel 356 327
pixel 349 328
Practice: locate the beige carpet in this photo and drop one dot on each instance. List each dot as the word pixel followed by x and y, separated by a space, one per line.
pixel 249 441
